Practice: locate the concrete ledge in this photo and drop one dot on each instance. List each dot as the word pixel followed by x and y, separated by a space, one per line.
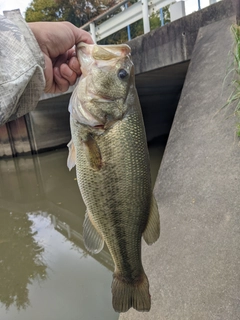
pixel 194 269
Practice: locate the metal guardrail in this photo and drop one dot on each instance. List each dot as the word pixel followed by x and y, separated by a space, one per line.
pixel 139 10
pixel 142 9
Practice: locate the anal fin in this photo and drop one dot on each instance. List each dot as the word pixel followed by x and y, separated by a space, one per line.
pixel 152 230
pixel 93 241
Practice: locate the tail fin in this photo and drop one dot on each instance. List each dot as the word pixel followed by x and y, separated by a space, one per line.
pixel 126 294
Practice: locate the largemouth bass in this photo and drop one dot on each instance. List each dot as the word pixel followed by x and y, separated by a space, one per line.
pixel 110 151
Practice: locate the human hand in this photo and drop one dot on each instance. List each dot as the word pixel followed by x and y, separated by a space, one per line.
pixel 57 40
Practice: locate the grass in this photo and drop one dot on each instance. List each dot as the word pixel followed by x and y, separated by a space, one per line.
pixel 235 95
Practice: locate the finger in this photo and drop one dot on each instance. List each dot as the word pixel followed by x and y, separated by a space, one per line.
pixel 75 65
pixel 67 69
pixel 71 52
pixel 80 34
pixel 70 59
pixel 49 76
pixel 68 74
pixel 73 61
pixel 62 58
pixel 61 83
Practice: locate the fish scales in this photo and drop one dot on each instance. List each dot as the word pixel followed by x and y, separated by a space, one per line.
pixel 113 174
pixel 118 197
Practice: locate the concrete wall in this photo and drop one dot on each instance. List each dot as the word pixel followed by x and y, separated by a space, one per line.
pixel 194 267
pixel 45 128
pixel 174 42
pixel 48 124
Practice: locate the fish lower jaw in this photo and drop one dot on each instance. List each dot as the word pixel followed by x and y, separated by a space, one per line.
pixel 96 97
pixel 103 99
pixel 99 126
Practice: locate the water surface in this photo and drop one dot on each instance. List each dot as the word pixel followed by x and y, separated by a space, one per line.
pixel 45 271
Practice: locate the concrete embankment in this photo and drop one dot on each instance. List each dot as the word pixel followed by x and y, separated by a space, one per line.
pixel 194 268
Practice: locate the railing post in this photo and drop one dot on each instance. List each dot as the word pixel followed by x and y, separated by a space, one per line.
pixel 199 5
pixel 146 24
pixel 128 27
pixel 93 31
pixel 161 17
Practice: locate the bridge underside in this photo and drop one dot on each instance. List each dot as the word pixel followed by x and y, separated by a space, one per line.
pixel 159 92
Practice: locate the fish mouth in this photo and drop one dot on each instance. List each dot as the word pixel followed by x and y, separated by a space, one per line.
pixel 99 126
pixel 102 98
pixel 105 100
pixel 99 97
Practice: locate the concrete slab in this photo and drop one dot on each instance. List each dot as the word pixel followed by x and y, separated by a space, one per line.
pixel 194 269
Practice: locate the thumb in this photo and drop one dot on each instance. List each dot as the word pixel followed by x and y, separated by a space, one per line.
pixel 80 34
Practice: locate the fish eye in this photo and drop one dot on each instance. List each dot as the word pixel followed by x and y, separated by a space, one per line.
pixel 122 74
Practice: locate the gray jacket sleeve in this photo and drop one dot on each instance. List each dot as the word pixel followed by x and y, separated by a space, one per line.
pixel 21 67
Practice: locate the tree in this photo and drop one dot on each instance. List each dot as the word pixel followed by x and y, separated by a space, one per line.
pixel 77 12
pixel 43 10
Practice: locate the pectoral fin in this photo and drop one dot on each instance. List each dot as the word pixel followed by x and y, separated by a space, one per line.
pixel 71 161
pixel 93 241
pixel 152 231
pixel 93 153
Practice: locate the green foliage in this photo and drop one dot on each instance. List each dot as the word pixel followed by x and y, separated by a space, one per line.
pixel 235 95
pixel 154 21
pixel 155 18
pixel 43 10
pixel 68 12
pixel 60 10
pixel 75 11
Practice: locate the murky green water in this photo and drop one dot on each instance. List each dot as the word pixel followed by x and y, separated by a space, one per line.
pixel 45 272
